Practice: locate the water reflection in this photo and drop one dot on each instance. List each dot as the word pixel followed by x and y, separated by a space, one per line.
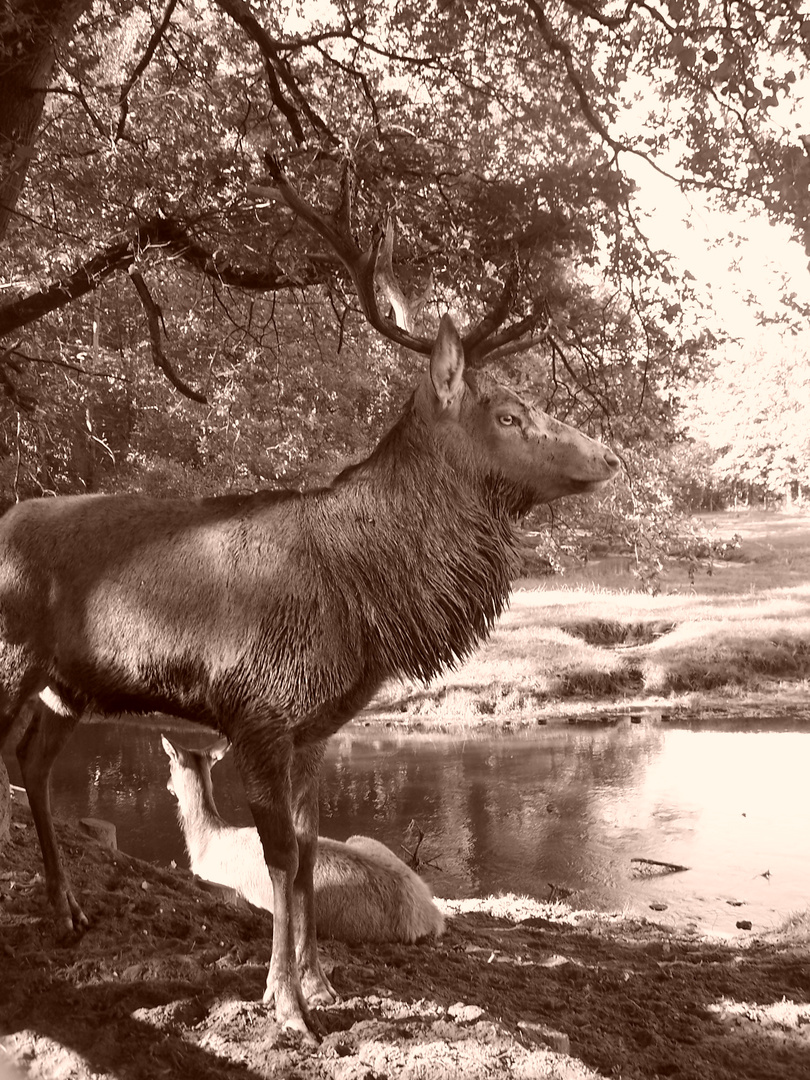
pixel 564 806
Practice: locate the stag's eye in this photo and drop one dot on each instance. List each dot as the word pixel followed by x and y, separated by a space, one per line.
pixel 508 420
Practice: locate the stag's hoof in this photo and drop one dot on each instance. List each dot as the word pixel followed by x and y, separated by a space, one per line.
pixel 292 1011
pixel 298 1025
pixel 316 987
pixel 70 919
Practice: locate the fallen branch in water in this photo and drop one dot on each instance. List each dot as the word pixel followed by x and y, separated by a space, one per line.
pixel 413 856
pixel 669 867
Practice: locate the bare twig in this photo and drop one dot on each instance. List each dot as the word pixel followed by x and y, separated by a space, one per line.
pixel 413 856
pixel 51 361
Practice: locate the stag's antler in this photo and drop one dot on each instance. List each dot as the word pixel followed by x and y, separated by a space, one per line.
pixel 372 270
pixel 364 267
pixel 385 279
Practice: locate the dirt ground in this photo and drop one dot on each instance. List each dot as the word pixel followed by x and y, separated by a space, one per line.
pixel 168 982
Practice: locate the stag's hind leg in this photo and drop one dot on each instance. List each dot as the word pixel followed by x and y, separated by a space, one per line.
pixel 46 734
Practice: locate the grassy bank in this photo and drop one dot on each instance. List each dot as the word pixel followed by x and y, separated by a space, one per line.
pixel 591 642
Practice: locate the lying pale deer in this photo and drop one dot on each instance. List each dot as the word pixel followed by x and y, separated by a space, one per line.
pixel 363 892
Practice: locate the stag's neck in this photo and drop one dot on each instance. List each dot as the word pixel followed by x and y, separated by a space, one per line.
pixel 431 544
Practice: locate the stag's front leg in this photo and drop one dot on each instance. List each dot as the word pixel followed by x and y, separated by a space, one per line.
pixel 305 774
pixel 39 747
pixel 264 767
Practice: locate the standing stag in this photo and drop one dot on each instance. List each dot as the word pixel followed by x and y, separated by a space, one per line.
pixel 274 617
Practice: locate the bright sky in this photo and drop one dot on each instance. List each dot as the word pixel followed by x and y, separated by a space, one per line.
pixel 767 263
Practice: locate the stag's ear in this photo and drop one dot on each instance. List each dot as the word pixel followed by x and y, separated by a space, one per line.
pixel 217 751
pixel 447 363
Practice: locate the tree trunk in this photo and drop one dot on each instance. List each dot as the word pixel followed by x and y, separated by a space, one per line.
pixel 30 32
pixel 5 805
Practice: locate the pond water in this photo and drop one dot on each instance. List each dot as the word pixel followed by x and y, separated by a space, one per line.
pixel 565 806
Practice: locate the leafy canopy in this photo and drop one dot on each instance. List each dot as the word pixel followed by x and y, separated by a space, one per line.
pixel 154 239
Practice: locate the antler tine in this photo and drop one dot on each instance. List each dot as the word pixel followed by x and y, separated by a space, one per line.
pixel 341 243
pixel 364 274
pixel 343 213
pixel 476 344
pixel 386 280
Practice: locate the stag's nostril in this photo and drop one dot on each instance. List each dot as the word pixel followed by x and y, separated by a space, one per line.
pixel 611 460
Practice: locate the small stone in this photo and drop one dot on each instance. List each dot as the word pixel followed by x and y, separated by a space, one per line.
pixel 103 832
pixel 555 960
pixel 465 1014
pixel 364 971
pixel 19 796
pixel 743 924
pixel 546 1036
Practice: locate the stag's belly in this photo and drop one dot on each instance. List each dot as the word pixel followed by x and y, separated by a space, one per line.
pixel 310 687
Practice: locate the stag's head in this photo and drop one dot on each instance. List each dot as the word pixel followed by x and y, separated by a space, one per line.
pixel 536 456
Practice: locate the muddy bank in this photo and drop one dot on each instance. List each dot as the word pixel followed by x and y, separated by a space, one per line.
pixel 169 979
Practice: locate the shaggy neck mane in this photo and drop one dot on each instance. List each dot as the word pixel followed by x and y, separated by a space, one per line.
pixel 425 545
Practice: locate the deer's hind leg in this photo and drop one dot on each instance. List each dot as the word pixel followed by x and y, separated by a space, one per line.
pixel 46 734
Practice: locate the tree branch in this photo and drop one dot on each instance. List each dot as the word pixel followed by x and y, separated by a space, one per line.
pixel 558 45
pixel 141 66
pixel 154 317
pixel 157 234
pixel 278 71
